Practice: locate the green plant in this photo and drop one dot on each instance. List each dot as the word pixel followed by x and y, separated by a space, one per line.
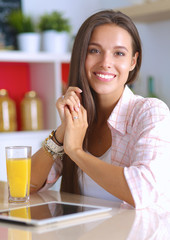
pixel 20 22
pixel 54 21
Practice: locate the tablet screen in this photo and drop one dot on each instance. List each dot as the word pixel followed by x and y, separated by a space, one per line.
pixel 49 212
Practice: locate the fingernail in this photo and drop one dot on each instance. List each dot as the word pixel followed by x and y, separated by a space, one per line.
pixel 77 109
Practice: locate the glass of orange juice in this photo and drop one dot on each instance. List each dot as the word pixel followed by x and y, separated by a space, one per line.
pixel 18 164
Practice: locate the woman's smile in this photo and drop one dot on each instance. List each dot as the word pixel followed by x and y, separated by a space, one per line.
pixel 104 77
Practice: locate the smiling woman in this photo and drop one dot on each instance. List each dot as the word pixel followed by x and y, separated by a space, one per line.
pixel 115 143
pixel 109 60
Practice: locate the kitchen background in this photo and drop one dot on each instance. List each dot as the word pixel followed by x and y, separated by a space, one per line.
pixel 155 38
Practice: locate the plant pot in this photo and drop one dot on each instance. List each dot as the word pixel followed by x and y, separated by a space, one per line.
pixel 28 42
pixel 55 42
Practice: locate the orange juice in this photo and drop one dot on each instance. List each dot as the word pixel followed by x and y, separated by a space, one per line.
pixel 23 212
pixel 18 173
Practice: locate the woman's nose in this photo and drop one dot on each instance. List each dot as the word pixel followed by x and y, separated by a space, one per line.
pixel 106 61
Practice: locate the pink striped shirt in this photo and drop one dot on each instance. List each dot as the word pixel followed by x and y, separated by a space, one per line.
pixel 140 129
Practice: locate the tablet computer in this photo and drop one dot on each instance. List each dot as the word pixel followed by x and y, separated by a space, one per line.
pixel 52 212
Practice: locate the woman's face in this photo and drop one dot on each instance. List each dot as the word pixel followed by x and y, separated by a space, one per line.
pixel 109 59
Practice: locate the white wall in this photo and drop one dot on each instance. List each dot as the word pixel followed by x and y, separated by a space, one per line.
pixel 156 58
pixel 160 57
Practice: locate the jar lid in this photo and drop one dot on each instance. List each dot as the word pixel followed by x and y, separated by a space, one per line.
pixel 31 94
pixel 3 92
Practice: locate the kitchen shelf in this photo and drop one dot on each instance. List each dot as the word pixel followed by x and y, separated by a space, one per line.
pixel 149 12
pixel 45 72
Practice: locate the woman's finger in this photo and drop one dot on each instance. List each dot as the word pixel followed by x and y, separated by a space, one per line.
pixel 75 91
pixel 71 103
pixel 71 99
pixel 68 115
pixel 73 95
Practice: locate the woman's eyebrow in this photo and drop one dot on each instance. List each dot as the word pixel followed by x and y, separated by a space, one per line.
pixel 95 44
pixel 121 47
pixel 115 47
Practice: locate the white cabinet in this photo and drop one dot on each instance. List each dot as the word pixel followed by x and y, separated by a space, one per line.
pixel 45 78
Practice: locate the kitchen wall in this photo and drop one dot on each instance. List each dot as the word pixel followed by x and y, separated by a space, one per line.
pixel 155 37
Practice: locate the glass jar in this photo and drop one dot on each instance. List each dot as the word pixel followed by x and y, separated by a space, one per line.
pixel 8 120
pixel 31 112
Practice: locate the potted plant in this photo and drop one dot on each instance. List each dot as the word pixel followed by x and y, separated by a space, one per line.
pixel 55 32
pixel 27 37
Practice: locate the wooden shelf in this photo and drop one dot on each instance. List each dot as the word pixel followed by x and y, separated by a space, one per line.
pixel 149 12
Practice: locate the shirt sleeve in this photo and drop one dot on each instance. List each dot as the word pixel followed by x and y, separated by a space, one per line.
pixel 53 175
pixel 148 173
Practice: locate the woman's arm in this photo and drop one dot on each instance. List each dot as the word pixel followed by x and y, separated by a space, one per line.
pixel 108 176
pixel 40 168
pixel 42 161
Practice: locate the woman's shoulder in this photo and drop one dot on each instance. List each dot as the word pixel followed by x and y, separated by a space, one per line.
pixel 151 115
pixel 143 104
pixel 149 111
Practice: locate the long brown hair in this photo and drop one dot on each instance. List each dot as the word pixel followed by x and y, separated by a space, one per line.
pixel 77 77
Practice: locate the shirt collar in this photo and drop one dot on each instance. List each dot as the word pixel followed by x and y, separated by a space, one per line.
pixel 120 114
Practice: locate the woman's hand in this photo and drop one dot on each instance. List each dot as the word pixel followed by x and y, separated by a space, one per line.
pixel 76 126
pixel 71 99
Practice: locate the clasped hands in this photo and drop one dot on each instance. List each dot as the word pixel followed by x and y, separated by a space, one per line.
pixel 73 120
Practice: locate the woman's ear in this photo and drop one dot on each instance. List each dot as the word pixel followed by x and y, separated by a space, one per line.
pixel 134 61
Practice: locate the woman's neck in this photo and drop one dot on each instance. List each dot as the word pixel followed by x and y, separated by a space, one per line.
pixel 105 103
pixel 105 106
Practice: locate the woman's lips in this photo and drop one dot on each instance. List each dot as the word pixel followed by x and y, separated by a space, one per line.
pixel 105 77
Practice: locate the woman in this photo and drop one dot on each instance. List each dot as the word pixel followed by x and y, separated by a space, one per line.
pixel 116 144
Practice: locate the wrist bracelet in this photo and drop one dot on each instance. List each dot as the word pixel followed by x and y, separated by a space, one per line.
pixel 47 147
pixel 52 148
pixel 50 144
pixel 52 134
pixel 54 156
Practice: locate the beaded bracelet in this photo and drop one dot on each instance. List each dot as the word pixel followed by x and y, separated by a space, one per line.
pixel 46 147
pixel 53 146
pixel 54 156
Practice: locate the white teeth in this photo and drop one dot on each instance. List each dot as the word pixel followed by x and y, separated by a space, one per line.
pixel 105 76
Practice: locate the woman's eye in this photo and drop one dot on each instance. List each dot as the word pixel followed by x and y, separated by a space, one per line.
pixel 93 50
pixel 119 54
